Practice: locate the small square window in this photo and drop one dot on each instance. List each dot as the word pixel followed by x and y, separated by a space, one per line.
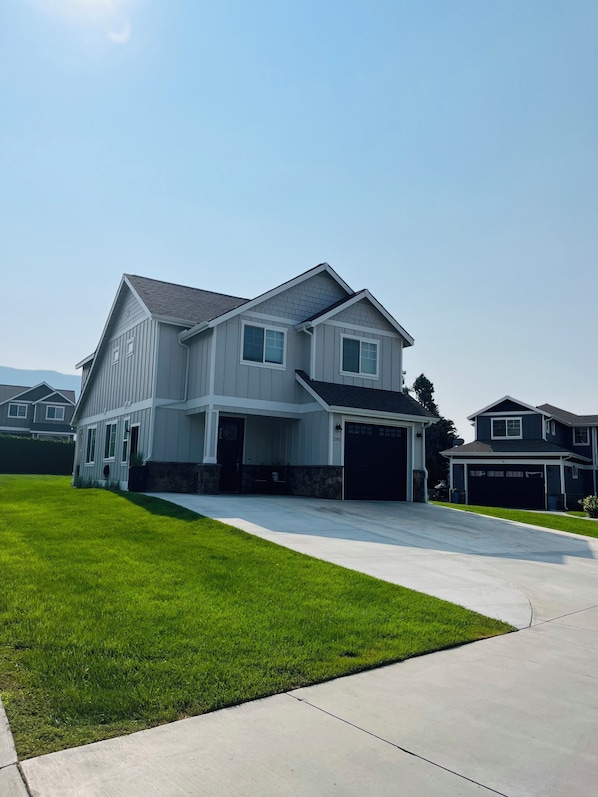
pixel 359 357
pixel 115 356
pixel 17 410
pixel 263 345
pixel 506 428
pixel 581 436
pixel 54 413
pixel 130 346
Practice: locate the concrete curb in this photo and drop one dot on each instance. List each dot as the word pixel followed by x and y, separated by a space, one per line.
pixel 11 781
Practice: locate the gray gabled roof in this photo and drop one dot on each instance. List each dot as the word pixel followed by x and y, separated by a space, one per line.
pixel 189 305
pixel 10 391
pixel 365 398
pixel 569 418
pixel 507 448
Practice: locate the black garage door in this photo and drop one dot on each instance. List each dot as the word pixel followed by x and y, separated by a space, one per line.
pixel 515 486
pixel 375 462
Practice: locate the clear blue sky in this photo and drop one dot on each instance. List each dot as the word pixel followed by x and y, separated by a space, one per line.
pixel 442 154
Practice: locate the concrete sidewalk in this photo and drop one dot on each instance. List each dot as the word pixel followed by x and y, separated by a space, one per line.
pixel 515 715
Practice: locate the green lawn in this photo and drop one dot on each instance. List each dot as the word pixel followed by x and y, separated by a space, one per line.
pixel 119 612
pixel 573 522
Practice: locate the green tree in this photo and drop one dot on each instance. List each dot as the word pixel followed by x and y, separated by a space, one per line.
pixel 439 436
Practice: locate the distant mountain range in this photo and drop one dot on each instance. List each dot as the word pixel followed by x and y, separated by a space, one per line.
pixel 26 378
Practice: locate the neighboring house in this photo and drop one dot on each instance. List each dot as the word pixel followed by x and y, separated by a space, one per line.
pixel 526 457
pixel 39 411
pixel 298 390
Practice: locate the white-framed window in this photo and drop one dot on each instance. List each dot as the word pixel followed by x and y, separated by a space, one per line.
pixel 124 458
pixel 17 410
pixel 581 436
pixel 90 446
pixel 115 355
pixel 549 426
pixel 263 345
pixel 130 347
pixel 359 356
pixel 110 441
pixel 503 428
pixel 54 413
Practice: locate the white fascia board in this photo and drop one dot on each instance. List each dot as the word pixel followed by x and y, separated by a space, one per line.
pixel 15 429
pixel 114 413
pixel 513 456
pixel 312 392
pixel 358 297
pixel 251 406
pixel 123 282
pixel 28 390
pixel 508 398
pixel 362 412
pixel 189 333
pixel 322 267
pixel 85 360
pixel 50 396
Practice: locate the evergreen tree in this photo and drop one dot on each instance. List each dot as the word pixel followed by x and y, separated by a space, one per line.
pixel 439 436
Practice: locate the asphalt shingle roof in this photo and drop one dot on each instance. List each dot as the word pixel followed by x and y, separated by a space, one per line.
pixel 481 447
pixel 366 398
pixel 190 305
pixel 10 391
pixel 570 418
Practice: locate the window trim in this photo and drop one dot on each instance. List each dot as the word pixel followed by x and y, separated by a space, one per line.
pixel 125 440
pixel 54 407
pixel 110 441
pixel 129 347
pixel 115 355
pixel 90 429
pixel 17 404
pixel 507 436
pixel 264 363
pixel 579 429
pixel 361 374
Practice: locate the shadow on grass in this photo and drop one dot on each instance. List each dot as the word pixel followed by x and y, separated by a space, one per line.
pixel 157 506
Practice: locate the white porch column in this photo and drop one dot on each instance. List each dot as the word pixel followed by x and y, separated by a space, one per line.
pixel 210 443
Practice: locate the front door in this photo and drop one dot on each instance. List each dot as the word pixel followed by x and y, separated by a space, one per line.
pixel 230 453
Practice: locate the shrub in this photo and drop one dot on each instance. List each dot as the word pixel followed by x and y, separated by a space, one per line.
pixel 590 505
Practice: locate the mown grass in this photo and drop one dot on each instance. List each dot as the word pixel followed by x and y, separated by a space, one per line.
pixel 573 522
pixel 120 612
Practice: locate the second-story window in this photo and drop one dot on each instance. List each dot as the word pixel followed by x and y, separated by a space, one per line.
pixel 506 428
pixel 17 410
pixel 263 345
pixel 54 413
pixel 581 436
pixel 110 442
pixel 360 357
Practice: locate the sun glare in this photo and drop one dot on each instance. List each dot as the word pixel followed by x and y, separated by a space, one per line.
pixel 112 18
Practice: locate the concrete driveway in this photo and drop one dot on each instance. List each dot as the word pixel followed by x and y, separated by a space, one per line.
pixel 515 715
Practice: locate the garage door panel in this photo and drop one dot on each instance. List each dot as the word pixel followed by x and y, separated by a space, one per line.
pixel 517 487
pixel 375 462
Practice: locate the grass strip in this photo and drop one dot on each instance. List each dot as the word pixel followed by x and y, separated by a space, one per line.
pixel 120 612
pixel 574 523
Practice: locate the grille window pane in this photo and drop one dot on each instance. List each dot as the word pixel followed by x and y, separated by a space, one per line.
pixel 274 346
pixel 253 344
pixel 351 355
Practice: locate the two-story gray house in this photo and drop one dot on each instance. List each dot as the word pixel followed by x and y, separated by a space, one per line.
pixel 298 390
pixel 526 457
pixel 39 411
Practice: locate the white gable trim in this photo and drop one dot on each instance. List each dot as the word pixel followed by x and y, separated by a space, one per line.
pixel 16 397
pixel 515 401
pixel 358 297
pixel 123 282
pixel 50 396
pixel 243 308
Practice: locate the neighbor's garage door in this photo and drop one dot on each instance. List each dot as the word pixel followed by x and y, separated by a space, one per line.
pixel 375 462
pixel 516 486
